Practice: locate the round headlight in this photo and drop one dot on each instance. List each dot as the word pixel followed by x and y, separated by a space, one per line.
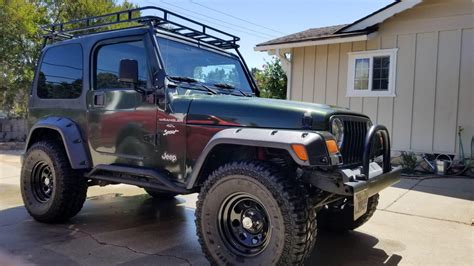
pixel 337 129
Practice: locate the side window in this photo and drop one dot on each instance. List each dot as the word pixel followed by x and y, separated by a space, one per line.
pixel 60 75
pixel 108 61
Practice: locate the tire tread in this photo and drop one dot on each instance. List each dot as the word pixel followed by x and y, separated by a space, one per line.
pixel 71 186
pixel 292 196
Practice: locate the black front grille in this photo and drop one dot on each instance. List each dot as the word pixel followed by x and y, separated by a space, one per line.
pixel 355 130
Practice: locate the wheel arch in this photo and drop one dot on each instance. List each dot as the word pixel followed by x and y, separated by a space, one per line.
pixel 66 131
pixel 252 138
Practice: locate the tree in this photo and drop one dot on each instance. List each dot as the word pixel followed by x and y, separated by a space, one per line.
pixel 271 79
pixel 21 40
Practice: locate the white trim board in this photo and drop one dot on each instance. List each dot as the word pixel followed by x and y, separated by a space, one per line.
pixel 383 15
pixel 362 37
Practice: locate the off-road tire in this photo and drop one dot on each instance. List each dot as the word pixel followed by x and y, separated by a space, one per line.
pixel 69 190
pixel 291 212
pixel 342 220
pixel 158 194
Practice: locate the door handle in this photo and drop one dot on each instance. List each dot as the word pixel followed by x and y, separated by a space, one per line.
pixel 99 99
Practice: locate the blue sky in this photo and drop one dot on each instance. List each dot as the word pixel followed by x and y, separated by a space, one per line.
pixel 256 21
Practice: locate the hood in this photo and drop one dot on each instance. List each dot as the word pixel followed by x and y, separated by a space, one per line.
pixel 228 110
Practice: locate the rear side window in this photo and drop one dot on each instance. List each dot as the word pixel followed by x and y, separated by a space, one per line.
pixel 108 62
pixel 60 75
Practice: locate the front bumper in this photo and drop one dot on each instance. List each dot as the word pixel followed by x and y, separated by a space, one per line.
pixel 370 178
pixel 376 182
pixel 348 182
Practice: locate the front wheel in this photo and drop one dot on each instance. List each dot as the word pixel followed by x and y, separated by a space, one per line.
pixel 248 213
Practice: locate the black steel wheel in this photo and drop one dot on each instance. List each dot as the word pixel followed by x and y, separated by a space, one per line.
pixel 251 213
pixel 42 183
pixel 244 224
pixel 51 190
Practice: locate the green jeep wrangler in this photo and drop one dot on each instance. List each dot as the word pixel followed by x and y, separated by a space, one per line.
pixel 168 104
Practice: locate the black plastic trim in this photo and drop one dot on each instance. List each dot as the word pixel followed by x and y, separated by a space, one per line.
pixel 131 175
pixel 269 138
pixel 74 144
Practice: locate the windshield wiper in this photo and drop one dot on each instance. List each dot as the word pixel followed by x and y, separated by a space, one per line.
pixel 229 87
pixel 183 79
pixel 194 83
pixel 195 87
pixel 224 86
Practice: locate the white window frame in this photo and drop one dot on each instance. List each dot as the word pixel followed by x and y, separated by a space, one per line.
pixel 351 92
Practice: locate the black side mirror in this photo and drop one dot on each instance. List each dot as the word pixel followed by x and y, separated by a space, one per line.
pixel 128 71
pixel 159 82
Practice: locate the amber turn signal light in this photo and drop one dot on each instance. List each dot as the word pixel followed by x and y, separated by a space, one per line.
pixel 300 151
pixel 332 146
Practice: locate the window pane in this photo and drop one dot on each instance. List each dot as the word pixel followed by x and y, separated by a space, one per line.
pixel 380 73
pixel 377 62
pixel 108 62
pixel 376 84
pixel 60 75
pixel 384 84
pixel 361 84
pixel 361 79
pixel 385 61
pixel 376 74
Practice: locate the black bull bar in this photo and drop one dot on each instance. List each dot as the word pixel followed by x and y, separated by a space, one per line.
pixel 369 177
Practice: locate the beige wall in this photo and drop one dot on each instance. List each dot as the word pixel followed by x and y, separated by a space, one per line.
pixel 434 81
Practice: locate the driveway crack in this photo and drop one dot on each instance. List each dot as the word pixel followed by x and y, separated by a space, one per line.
pixel 403 194
pixel 100 242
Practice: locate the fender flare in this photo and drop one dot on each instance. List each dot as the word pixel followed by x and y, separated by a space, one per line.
pixel 74 145
pixel 269 138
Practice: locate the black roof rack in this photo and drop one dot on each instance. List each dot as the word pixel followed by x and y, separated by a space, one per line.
pixel 132 18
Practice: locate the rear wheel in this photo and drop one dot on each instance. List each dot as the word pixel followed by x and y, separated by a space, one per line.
pixel 339 217
pixel 52 191
pixel 160 194
pixel 249 213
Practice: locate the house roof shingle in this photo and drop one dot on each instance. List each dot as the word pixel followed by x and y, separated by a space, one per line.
pixel 312 34
pixel 309 34
pixel 363 26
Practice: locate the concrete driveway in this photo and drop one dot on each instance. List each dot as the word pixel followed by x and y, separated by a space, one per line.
pixel 419 222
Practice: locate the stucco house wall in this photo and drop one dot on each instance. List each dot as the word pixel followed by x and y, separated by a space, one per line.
pixel 434 76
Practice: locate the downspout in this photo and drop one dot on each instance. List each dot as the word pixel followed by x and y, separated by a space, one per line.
pixel 285 56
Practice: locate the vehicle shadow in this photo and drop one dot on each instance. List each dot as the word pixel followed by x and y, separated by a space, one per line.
pixel 351 248
pixel 148 231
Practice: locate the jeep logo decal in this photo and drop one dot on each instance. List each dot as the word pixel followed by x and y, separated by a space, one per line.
pixel 169 157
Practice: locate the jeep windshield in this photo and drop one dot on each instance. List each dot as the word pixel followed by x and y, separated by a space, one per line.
pixel 187 61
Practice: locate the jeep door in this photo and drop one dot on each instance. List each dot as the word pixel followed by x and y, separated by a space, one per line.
pixel 122 122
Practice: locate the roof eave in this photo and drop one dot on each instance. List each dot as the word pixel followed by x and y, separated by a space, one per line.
pixel 380 15
pixel 328 40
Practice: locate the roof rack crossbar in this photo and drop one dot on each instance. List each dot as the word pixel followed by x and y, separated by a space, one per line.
pixel 132 17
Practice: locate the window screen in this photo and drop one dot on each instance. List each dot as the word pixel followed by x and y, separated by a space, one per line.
pixel 60 75
pixel 108 62
pixel 380 73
